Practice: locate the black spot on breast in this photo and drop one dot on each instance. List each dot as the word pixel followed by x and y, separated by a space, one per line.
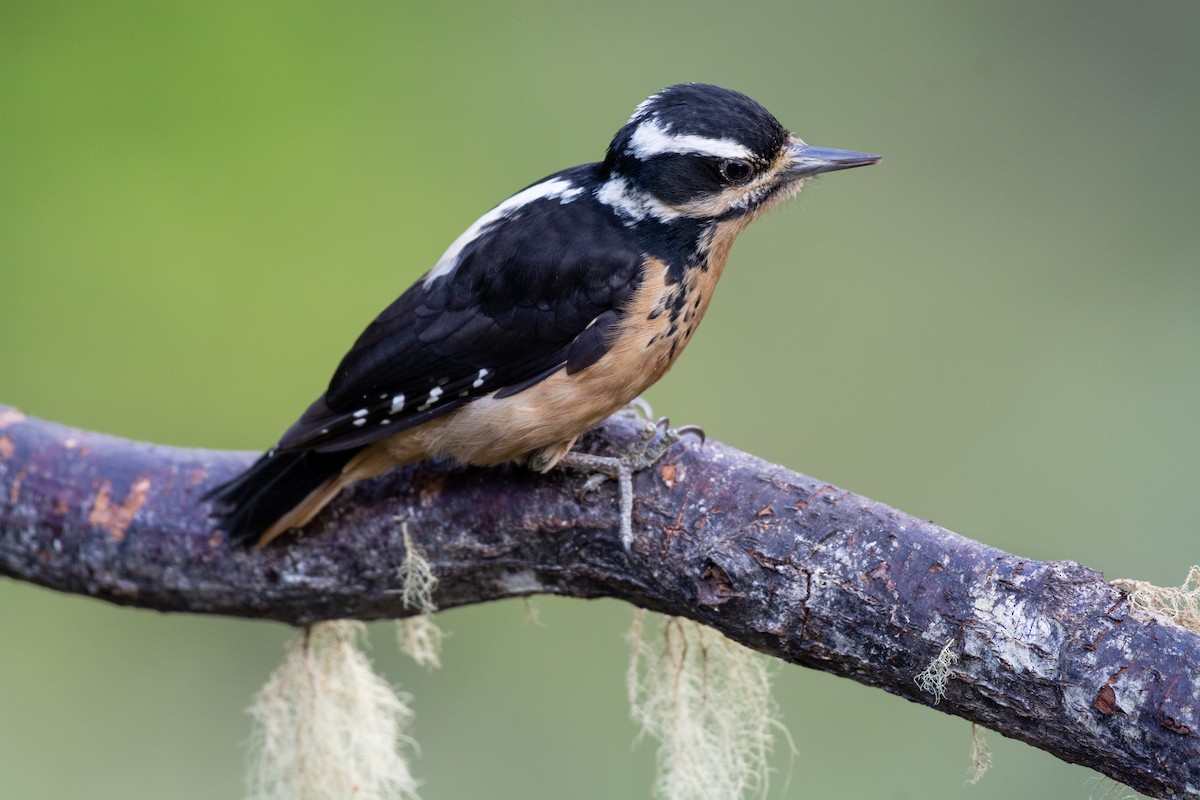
pixel 679 303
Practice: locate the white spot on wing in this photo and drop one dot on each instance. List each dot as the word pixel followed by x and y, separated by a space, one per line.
pixel 434 394
pixel 397 404
pixel 561 188
pixel 362 412
pixel 483 373
pixel 652 139
pixel 358 423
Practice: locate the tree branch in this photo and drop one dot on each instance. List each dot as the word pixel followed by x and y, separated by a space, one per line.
pixel 1048 652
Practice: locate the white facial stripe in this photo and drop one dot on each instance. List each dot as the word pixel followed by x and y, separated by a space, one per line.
pixel 652 139
pixel 633 205
pixel 559 187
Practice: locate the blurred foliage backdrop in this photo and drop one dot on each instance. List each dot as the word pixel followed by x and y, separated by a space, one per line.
pixel 201 204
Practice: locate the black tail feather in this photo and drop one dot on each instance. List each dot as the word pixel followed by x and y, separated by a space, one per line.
pixel 275 484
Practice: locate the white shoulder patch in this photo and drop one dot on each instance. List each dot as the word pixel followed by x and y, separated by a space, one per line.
pixel 561 188
pixel 652 139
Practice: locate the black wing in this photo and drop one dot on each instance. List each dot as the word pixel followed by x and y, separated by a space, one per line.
pixel 537 288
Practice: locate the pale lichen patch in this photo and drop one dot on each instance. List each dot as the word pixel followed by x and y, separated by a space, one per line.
pixel 1179 605
pixel 935 678
pixel 420 639
pixel 520 582
pixel 328 727
pixel 416 577
pixel 981 753
pixel 707 701
pixel 1021 636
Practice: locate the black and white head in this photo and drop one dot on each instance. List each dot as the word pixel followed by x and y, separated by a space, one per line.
pixel 706 153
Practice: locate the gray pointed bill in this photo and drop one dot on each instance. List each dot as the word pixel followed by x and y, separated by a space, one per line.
pixel 807 160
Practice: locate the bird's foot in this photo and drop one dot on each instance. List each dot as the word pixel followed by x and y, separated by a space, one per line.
pixel 601 469
pixel 640 407
pixel 656 439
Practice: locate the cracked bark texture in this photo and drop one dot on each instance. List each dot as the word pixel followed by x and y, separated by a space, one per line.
pixel 1048 652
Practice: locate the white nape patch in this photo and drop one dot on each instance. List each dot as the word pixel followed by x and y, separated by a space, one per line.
pixel 632 204
pixel 397 404
pixel 483 373
pixel 561 188
pixel 362 412
pixel 652 139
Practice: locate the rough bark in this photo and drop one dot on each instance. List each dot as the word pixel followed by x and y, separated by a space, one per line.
pixel 1048 652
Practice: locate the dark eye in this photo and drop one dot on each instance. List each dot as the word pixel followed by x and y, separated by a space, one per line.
pixel 735 170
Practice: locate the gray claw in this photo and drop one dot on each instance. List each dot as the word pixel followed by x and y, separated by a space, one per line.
pixel 642 407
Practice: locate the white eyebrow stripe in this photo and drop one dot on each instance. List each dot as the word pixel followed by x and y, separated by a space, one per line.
pixel 652 139
pixel 546 190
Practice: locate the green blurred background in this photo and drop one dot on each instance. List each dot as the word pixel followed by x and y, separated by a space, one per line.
pixel 202 203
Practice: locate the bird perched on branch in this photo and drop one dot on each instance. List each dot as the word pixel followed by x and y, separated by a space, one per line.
pixel 550 312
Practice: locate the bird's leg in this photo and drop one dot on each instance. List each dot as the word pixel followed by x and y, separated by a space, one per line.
pixel 656 440
pixel 603 467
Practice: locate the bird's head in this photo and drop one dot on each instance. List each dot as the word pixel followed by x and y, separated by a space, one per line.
pixel 702 152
